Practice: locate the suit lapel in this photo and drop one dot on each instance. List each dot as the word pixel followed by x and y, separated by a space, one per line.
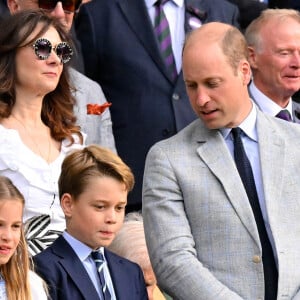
pixel 75 269
pixel 272 147
pixel 136 14
pixel 214 152
pixel 195 14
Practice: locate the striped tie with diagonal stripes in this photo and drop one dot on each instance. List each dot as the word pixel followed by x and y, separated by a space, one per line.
pixel 162 32
pixel 99 261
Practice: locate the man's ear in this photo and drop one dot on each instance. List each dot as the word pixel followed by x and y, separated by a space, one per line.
pixel 245 72
pixel 252 57
pixel 67 203
pixel 13 6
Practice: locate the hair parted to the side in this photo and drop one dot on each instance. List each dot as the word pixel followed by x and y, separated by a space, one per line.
pixel 253 31
pixel 16 271
pixel 81 166
pixel 57 109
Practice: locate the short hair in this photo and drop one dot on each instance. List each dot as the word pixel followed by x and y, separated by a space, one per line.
pixel 130 241
pixel 80 166
pixel 57 109
pixel 232 44
pixel 15 271
pixel 253 31
pixel 234 47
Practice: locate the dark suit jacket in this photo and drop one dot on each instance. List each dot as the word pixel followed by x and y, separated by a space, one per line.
pixel 121 52
pixel 67 278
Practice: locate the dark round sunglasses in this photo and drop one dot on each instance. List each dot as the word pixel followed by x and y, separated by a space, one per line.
pixel 68 5
pixel 43 47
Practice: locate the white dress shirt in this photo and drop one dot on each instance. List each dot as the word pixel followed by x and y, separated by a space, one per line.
pixel 175 12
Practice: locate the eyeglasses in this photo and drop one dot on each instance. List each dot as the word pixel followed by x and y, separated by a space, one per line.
pixel 43 47
pixel 68 5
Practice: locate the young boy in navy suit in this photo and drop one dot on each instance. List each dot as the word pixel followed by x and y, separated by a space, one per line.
pixel 93 188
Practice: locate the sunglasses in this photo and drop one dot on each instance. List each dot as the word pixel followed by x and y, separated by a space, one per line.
pixel 43 47
pixel 68 5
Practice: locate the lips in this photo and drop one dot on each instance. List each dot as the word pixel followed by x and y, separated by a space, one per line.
pixel 4 250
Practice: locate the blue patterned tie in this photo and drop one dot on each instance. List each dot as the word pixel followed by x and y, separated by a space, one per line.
pixel 284 115
pixel 246 174
pixel 162 32
pixel 99 261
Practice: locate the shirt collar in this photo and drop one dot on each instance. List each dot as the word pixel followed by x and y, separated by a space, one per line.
pixel 248 125
pixel 266 104
pixel 82 250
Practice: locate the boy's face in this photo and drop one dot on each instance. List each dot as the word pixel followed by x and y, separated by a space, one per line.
pixel 97 214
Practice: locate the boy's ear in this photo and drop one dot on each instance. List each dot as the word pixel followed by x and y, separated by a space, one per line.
pixel 66 203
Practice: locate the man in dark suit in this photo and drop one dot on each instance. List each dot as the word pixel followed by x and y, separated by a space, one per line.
pixel 121 53
pixel 274 43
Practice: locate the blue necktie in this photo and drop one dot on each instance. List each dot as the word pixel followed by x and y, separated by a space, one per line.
pixel 246 174
pixel 99 261
pixel 162 32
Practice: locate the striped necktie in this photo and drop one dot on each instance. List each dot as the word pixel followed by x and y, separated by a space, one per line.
pixel 162 32
pixel 99 261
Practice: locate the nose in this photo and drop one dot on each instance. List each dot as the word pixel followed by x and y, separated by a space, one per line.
pixel 58 12
pixel 6 234
pixel 202 97
pixel 111 216
pixel 295 60
pixel 53 59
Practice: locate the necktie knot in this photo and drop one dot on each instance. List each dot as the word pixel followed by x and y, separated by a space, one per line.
pixel 236 132
pixel 160 2
pixel 284 115
pixel 97 256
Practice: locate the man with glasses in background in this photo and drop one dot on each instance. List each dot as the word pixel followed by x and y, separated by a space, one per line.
pixel 97 126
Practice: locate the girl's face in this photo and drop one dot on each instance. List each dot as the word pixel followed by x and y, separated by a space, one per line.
pixel 10 228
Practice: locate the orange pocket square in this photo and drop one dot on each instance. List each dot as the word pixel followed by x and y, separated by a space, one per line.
pixel 97 109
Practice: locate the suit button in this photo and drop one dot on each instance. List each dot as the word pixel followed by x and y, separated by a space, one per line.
pixel 175 96
pixel 256 259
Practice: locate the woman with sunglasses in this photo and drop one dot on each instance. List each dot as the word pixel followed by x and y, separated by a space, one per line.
pixel 37 123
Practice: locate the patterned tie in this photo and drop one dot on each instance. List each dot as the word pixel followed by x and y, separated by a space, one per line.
pixel 99 261
pixel 162 32
pixel 284 115
pixel 246 174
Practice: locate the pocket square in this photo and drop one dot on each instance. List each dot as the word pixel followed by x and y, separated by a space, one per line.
pixel 97 109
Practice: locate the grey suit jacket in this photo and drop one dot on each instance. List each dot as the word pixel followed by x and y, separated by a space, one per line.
pixel 97 127
pixel 200 230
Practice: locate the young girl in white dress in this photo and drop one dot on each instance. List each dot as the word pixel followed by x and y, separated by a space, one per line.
pixel 17 281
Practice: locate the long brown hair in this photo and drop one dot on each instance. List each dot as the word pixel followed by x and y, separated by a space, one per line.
pixel 16 271
pixel 57 109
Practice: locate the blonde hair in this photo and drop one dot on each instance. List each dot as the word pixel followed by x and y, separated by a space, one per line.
pixel 253 31
pixel 16 271
pixel 80 166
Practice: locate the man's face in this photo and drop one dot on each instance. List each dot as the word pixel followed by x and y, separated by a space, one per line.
pixel 217 94
pixel 276 66
pixel 57 12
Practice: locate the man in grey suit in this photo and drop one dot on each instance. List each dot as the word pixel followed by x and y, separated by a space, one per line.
pixel 274 44
pixel 98 127
pixel 201 227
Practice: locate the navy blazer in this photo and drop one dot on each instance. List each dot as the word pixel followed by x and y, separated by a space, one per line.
pixel 67 278
pixel 121 53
